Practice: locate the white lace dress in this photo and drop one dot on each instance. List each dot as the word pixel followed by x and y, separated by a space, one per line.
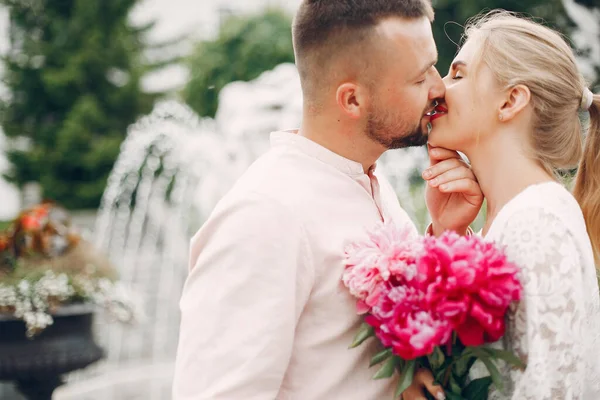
pixel 555 328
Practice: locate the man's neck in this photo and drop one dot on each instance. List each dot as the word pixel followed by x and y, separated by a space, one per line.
pixel 346 141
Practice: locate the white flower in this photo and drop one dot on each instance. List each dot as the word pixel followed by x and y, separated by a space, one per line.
pixel 8 296
pixel 31 300
pixel 23 287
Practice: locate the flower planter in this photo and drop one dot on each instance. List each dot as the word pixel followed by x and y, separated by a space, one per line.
pixel 36 365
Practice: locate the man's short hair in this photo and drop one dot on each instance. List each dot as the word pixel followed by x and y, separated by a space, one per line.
pixel 323 28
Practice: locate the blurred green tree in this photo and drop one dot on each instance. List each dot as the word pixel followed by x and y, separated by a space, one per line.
pixel 73 76
pixel 452 15
pixel 245 47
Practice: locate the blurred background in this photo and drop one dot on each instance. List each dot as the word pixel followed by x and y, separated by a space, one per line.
pixel 138 115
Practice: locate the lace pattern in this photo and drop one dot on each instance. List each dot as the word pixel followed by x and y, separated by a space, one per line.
pixel 555 329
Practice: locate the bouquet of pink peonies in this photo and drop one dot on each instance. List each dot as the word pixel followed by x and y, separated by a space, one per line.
pixel 433 303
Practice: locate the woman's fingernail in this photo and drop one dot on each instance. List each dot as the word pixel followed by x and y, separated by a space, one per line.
pixel 434 182
pixel 440 396
pixel 427 174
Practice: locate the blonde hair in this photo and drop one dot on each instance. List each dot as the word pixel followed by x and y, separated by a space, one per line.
pixel 519 51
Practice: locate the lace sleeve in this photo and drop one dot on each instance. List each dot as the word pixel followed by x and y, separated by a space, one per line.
pixel 545 328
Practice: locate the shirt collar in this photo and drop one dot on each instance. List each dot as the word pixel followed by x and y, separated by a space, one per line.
pixel 307 146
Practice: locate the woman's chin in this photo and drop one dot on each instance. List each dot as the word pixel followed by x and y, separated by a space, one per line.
pixel 438 139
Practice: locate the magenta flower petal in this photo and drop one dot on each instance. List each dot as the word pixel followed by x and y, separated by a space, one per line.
pixel 416 290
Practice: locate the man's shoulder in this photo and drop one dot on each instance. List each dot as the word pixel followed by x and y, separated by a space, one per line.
pixel 274 178
pixel 279 174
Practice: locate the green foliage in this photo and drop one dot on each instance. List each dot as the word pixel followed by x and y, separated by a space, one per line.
pixel 73 73
pixel 245 47
pixel 451 16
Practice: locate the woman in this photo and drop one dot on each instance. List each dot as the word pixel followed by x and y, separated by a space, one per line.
pixel 512 106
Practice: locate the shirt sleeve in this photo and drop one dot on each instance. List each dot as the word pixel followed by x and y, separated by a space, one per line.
pixel 545 330
pixel 250 277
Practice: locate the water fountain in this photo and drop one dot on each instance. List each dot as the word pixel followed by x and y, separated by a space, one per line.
pixel 172 169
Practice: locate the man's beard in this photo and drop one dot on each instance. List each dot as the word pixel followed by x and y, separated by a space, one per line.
pixel 386 133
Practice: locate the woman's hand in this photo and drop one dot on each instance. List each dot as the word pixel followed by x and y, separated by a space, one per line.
pixel 422 381
pixel 453 195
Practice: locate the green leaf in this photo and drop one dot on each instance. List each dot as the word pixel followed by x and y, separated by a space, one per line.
pixel 478 389
pixel 494 373
pixel 364 332
pixel 439 376
pixel 484 356
pixel 454 396
pixel 408 373
pixel 437 358
pixel 380 357
pixel 400 363
pixel 387 370
pixel 454 386
pixel 463 366
pixel 507 356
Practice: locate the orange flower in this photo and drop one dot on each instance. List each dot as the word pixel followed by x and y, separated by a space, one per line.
pixel 4 243
pixel 30 223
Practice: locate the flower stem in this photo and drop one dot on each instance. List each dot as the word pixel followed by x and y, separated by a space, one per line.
pixel 447 375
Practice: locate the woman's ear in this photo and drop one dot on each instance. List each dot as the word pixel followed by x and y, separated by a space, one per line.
pixel 517 98
pixel 351 99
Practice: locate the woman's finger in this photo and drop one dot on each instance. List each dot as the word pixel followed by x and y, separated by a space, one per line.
pixel 437 154
pixel 468 187
pixel 414 392
pixel 454 174
pixel 425 377
pixel 444 166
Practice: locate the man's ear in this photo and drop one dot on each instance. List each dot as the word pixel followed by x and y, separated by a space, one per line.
pixel 517 98
pixel 352 99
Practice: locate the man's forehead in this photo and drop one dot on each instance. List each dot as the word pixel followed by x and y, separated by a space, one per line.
pixel 396 28
pixel 411 40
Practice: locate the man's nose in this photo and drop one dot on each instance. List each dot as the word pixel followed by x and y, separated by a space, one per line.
pixel 438 89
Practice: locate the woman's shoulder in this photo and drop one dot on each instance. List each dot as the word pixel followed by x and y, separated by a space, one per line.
pixel 541 225
pixel 541 209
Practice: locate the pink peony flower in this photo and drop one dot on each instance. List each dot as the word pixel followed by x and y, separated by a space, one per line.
pixel 417 290
pixel 470 283
pixel 388 253
pixel 411 335
pixel 402 324
pixel 400 299
pixel 361 279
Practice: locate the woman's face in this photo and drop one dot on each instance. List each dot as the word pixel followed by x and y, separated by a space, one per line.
pixel 469 111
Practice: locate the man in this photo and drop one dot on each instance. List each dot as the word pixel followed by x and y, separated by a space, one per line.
pixel 264 313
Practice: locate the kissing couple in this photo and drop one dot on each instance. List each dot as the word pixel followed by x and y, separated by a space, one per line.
pixel 264 312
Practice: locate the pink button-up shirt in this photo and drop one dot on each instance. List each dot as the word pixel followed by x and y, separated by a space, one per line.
pixel 264 313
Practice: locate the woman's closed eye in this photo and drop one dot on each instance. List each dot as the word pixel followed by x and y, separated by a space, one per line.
pixel 457 76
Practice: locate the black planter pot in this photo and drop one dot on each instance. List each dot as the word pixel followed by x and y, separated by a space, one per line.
pixel 36 365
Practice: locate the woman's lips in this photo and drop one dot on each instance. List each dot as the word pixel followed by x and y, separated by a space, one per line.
pixel 440 111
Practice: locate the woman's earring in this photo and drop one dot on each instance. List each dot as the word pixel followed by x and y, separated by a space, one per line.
pixel 501 117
